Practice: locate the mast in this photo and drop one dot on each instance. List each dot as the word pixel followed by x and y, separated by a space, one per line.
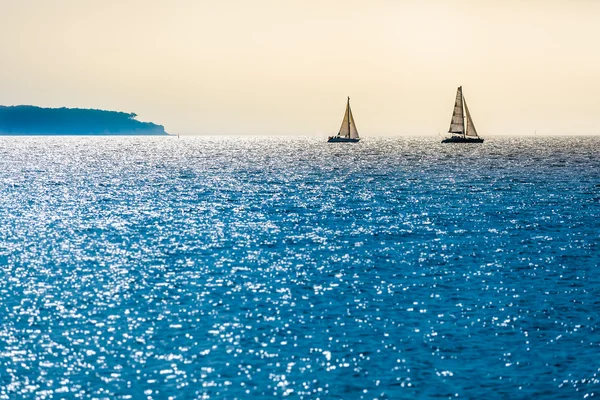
pixel 348 106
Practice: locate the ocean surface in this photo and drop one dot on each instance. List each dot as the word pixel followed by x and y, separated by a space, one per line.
pixel 266 267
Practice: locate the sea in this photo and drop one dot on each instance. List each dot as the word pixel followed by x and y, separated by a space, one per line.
pixel 245 267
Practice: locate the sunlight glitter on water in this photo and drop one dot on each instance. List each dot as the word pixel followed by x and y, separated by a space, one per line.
pixel 252 267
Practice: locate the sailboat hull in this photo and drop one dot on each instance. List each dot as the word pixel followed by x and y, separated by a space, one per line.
pixel 337 139
pixel 456 139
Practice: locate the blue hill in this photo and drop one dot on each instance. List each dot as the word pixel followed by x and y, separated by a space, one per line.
pixel 32 120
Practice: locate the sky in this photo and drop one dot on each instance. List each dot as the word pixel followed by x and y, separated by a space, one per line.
pixel 287 66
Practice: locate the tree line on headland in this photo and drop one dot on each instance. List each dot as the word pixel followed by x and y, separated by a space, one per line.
pixel 32 120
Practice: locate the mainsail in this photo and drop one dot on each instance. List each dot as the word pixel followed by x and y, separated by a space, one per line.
pixel 348 128
pixel 471 131
pixel 457 125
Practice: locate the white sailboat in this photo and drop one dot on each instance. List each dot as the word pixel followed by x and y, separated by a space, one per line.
pixel 348 132
pixel 462 127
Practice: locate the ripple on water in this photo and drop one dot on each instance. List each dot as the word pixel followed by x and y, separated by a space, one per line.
pixel 250 267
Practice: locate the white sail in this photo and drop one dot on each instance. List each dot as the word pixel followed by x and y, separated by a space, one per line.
pixel 348 128
pixel 457 125
pixel 471 131
pixel 353 130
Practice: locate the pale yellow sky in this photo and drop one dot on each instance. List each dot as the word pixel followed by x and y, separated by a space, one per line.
pixel 286 67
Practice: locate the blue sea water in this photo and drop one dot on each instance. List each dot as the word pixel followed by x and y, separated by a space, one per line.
pixel 245 267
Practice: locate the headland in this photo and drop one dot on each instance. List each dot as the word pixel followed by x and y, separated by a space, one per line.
pixel 33 120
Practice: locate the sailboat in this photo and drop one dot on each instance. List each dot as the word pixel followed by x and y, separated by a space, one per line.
pixel 348 132
pixel 462 131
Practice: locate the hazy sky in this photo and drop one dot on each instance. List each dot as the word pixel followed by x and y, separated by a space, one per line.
pixel 286 66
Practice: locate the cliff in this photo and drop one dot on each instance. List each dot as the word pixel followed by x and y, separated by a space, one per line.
pixel 32 120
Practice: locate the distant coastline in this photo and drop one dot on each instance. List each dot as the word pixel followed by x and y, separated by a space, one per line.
pixel 33 120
